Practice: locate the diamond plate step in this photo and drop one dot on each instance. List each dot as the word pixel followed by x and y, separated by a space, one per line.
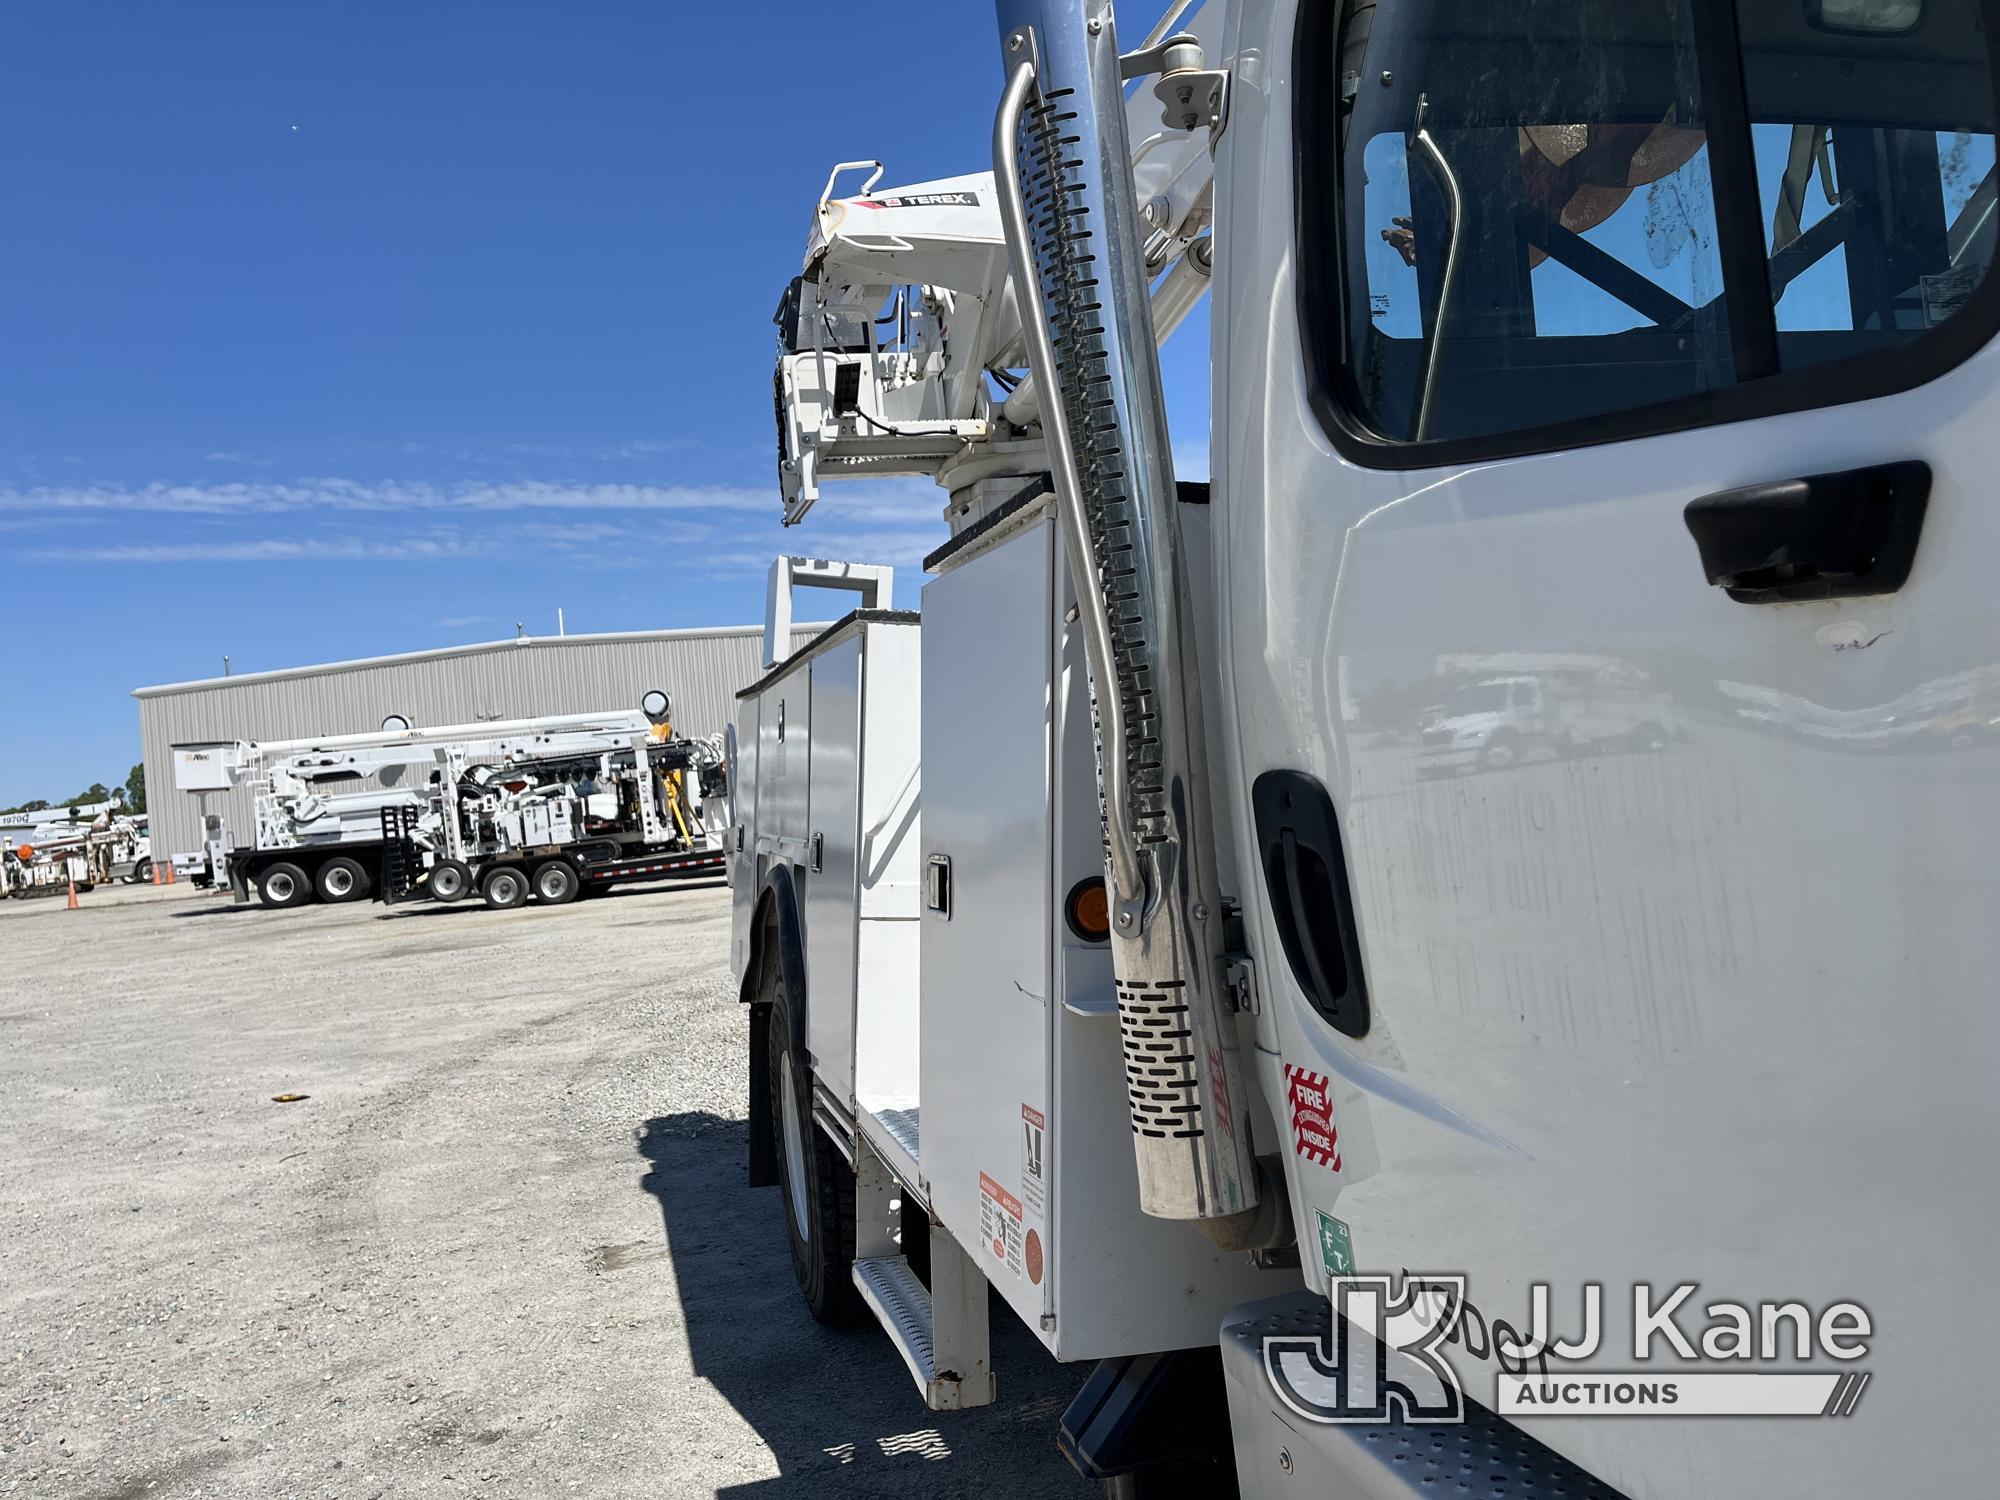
pixel 902 1305
pixel 1485 1455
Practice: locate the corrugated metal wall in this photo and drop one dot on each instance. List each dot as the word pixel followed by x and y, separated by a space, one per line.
pixel 701 669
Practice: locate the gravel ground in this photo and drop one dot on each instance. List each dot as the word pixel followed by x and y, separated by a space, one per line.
pixel 504 1243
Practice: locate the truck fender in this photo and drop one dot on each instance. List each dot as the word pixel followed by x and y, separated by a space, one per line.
pixel 776 936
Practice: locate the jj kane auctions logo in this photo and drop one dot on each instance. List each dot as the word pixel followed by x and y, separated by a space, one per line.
pixel 1383 1357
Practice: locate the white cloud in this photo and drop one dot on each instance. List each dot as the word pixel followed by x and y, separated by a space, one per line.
pixel 644 448
pixel 716 531
pixel 274 549
pixel 44 523
pixel 349 495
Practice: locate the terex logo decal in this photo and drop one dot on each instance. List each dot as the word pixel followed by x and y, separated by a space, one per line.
pixel 921 200
pixel 1313 1134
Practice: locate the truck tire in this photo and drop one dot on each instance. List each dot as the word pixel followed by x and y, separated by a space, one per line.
pixel 556 882
pixel 142 873
pixel 341 879
pixel 449 881
pixel 816 1184
pixel 283 885
pixel 504 887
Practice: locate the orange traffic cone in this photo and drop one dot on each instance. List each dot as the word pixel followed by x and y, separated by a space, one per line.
pixel 158 879
pixel 170 872
pixel 72 893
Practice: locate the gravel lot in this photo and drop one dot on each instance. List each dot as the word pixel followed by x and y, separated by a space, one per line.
pixel 505 1242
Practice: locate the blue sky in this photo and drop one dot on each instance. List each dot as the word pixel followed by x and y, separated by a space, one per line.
pixel 340 329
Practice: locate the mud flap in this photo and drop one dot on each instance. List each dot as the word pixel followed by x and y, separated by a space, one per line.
pixel 763 1139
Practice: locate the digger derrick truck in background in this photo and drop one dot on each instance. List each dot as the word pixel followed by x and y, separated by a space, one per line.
pixel 560 816
pixel 1649 338
pixel 44 869
pixel 52 857
pixel 320 804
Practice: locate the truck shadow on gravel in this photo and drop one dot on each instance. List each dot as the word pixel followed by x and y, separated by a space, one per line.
pixel 836 1407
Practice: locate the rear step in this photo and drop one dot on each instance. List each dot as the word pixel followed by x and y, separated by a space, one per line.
pixel 941 1330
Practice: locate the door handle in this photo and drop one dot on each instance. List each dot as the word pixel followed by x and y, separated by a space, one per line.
pixel 1826 536
pixel 1305 870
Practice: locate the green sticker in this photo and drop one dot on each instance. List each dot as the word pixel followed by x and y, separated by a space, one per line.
pixel 1336 1250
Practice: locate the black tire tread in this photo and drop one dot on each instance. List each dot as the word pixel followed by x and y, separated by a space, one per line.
pixel 362 884
pixel 303 880
pixel 823 1265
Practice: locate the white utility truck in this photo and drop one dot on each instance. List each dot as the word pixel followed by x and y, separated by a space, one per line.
pixel 559 816
pixel 43 869
pixel 321 804
pixel 1110 942
pixel 111 845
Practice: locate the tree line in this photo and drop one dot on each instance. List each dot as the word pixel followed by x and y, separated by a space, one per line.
pixel 97 791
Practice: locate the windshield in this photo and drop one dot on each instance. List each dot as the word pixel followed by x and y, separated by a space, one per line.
pixel 1535 229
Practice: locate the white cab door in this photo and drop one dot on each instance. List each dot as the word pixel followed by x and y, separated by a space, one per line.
pixel 1675 910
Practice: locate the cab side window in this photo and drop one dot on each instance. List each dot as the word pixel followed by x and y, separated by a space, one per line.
pixel 1543 222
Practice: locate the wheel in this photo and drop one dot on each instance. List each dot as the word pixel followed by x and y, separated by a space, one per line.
pixel 283 885
pixel 142 873
pixel 816 1184
pixel 504 887
pixel 1500 751
pixel 450 881
pixel 556 882
pixel 341 879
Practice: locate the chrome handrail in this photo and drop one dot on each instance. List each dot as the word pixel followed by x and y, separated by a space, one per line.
pixel 1128 883
pixel 1127 879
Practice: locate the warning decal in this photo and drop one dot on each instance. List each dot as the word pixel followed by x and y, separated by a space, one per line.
pixel 1034 1138
pixel 1313 1135
pixel 1000 1223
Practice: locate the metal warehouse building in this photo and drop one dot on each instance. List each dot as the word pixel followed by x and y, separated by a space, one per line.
pixel 700 669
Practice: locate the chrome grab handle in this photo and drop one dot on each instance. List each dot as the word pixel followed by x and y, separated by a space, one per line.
pixel 1455 214
pixel 826 193
pixel 1127 882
